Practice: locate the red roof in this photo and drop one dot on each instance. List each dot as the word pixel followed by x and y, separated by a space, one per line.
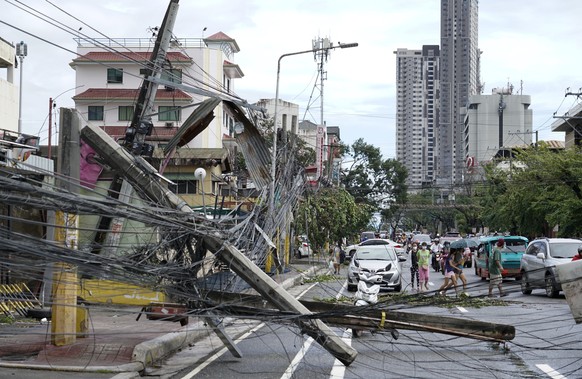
pixel 107 56
pixel 129 94
pixel 219 36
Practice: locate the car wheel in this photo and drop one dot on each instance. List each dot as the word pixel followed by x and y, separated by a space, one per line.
pixel 551 290
pixel 525 287
pixel 398 288
pixel 351 288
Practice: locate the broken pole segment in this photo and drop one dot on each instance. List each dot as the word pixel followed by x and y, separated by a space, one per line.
pixel 280 298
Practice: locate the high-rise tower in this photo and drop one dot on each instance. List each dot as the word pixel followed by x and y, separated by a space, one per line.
pixel 417 102
pixel 458 80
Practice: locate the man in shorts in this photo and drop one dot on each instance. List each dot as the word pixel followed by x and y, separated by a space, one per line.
pixel 495 268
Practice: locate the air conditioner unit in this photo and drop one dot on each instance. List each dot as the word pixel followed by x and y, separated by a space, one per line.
pixel 169 124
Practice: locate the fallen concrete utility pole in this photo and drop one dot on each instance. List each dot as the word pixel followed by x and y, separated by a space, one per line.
pixel 142 175
pixel 275 294
pixel 370 318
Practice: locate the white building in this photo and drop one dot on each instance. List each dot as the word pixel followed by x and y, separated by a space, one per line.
pixel 8 91
pixel 493 122
pixel 417 104
pixel 287 113
pixel 109 74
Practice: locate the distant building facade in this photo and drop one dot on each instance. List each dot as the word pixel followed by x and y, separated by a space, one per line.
pixel 417 109
pixel 571 125
pixel 8 90
pixel 287 113
pixel 109 74
pixel 494 122
pixel 459 79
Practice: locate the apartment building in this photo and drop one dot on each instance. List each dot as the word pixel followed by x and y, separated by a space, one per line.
pixel 109 73
pixel 417 109
pixel 459 68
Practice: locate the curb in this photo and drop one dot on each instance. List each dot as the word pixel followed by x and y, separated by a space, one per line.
pixel 158 348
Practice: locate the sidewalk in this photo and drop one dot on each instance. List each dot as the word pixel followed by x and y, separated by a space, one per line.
pixel 116 342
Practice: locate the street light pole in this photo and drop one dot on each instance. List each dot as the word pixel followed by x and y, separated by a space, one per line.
pixel 274 152
pixel 21 52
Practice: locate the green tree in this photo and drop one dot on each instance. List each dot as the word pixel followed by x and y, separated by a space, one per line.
pixel 373 180
pixel 329 215
pixel 543 189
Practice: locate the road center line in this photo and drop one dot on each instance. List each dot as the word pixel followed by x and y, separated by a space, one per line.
pixel 550 371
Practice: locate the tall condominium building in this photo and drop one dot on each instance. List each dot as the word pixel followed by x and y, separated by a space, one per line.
pixel 458 80
pixel 417 107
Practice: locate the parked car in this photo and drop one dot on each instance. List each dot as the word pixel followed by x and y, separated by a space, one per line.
pixel 376 259
pixel 303 247
pixel 539 261
pixel 511 256
pixel 400 251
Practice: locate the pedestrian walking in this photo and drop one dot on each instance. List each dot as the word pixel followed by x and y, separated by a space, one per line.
pixel 458 263
pixel 414 266
pixel 450 277
pixel 495 268
pixel 423 256
pixel 336 259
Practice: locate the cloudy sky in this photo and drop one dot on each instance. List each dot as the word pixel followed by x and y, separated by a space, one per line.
pixel 531 44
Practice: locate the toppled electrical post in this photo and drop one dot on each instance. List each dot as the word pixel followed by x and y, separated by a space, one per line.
pixel 142 174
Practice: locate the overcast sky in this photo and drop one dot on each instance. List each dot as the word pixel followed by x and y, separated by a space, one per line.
pixel 532 44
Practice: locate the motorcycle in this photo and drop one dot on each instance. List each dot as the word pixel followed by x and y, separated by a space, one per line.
pixel 367 294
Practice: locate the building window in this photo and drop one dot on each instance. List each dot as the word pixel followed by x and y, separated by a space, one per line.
pixel 95 113
pixel 125 113
pixel 169 113
pixel 172 75
pixel 183 187
pixel 114 75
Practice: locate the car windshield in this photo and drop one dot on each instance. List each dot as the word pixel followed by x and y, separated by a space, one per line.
pixel 565 249
pixel 376 254
pixel 517 246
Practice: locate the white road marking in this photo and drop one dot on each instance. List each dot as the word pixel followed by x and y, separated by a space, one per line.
pixel 204 364
pixel 288 374
pixel 462 309
pixel 339 369
pixel 550 371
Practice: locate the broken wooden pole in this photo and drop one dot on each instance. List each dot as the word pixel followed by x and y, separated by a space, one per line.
pixel 372 318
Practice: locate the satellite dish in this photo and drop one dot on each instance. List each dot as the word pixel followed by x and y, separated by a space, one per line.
pixel 200 173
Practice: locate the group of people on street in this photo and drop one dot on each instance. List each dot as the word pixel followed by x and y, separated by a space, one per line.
pixel 453 262
pixel 419 266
